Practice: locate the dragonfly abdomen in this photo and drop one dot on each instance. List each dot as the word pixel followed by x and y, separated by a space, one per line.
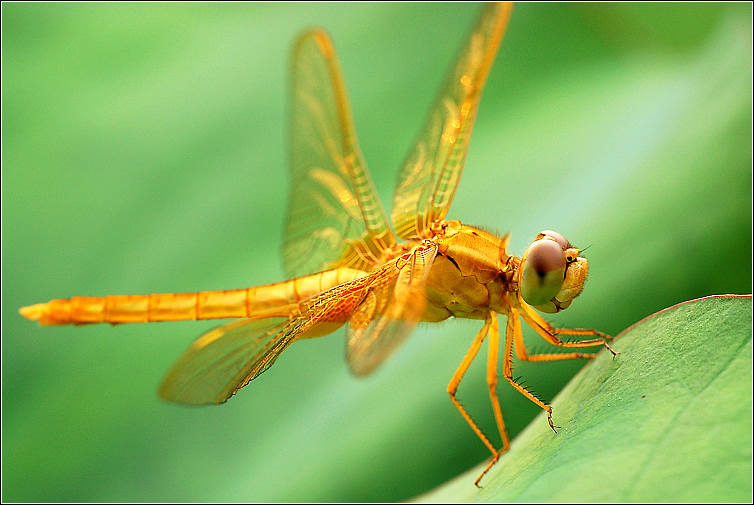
pixel 141 308
pixel 271 300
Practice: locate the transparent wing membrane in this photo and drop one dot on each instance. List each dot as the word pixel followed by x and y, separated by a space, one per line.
pixel 335 217
pixel 430 174
pixel 224 360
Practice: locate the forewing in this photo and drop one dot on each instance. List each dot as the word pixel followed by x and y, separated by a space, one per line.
pixel 225 359
pixel 334 217
pixel 389 312
pixel 430 175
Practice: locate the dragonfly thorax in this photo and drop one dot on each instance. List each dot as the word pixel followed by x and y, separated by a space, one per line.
pixel 470 275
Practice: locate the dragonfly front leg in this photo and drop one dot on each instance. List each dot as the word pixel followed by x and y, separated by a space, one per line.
pixel 513 334
pixel 549 333
pixel 490 327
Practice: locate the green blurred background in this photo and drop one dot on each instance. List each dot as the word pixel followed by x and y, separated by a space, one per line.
pixel 144 151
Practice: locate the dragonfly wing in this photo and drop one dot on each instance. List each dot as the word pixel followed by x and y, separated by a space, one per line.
pixel 389 312
pixel 430 175
pixel 225 359
pixel 334 217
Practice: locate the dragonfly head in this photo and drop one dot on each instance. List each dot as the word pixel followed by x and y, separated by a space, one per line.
pixel 551 273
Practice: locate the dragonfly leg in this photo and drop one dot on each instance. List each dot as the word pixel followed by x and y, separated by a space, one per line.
pixel 513 334
pixel 456 380
pixel 549 333
pixel 492 361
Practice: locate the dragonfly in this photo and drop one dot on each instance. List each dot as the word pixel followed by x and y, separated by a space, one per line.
pixel 348 266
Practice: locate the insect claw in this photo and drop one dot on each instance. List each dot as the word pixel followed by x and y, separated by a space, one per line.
pixel 611 350
pixel 549 421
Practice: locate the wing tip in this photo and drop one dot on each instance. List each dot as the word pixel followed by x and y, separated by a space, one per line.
pixel 319 36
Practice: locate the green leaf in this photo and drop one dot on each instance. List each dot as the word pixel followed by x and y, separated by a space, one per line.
pixel 668 420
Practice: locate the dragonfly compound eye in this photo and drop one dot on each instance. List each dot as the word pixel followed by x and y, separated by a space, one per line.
pixel 557 237
pixel 544 270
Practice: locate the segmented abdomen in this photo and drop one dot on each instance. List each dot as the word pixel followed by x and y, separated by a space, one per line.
pixel 271 300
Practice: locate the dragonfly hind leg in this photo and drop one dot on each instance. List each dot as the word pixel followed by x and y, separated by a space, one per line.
pixel 492 361
pixel 490 328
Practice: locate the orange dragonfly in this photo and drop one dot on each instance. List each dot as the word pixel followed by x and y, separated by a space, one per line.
pixel 365 277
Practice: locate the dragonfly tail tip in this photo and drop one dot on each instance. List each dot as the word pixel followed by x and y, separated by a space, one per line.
pixel 33 312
